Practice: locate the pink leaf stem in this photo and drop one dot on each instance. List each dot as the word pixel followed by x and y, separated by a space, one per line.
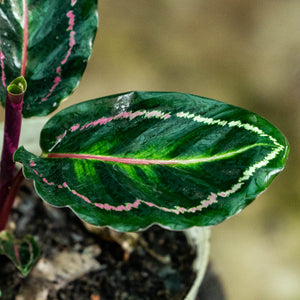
pixel 6 208
pixel 12 129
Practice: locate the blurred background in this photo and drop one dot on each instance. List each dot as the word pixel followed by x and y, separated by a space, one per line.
pixel 246 53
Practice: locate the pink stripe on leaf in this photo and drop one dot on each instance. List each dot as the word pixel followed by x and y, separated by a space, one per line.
pixel 3 78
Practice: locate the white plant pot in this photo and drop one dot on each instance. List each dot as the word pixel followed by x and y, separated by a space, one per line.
pixel 198 237
pixel 30 134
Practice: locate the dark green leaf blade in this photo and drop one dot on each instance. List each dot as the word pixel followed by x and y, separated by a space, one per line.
pixel 23 253
pixel 134 159
pixel 49 43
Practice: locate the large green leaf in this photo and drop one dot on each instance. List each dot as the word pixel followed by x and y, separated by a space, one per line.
pixel 139 158
pixel 48 42
pixel 23 253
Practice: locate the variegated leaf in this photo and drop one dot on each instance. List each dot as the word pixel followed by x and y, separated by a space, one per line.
pixel 134 159
pixel 23 253
pixel 48 42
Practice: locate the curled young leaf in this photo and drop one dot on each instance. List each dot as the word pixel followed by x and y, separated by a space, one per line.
pixel 23 253
pixel 18 86
pixel 49 43
pixel 134 159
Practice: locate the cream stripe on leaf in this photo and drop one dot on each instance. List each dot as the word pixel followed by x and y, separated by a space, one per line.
pixel 133 159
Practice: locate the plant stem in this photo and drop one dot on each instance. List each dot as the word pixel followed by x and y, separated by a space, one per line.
pixel 9 201
pixel 12 129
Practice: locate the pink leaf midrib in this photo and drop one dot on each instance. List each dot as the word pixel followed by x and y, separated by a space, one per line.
pixel 145 161
pixel 25 38
pixel 125 160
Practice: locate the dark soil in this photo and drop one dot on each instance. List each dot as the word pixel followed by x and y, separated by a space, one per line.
pixel 141 276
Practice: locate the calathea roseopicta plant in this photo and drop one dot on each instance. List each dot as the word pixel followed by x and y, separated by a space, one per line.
pixel 48 43
pixel 125 161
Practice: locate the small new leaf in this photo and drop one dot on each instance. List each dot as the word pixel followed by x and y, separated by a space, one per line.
pixel 18 86
pixel 23 253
